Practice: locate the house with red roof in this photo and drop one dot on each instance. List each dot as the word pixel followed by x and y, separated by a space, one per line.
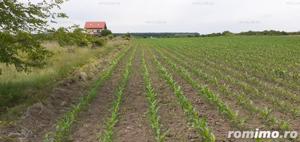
pixel 95 27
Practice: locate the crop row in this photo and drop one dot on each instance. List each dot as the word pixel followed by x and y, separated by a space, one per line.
pixel 106 136
pixel 249 78
pixel 234 80
pixel 63 126
pixel 243 66
pixel 223 108
pixel 242 99
pixel 237 59
pixel 153 104
pixel 200 124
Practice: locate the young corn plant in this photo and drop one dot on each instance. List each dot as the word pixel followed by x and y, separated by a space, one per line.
pixel 242 98
pixel 63 126
pixel 107 135
pixel 200 124
pixel 275 90
pixel 153 105
pixel 205 92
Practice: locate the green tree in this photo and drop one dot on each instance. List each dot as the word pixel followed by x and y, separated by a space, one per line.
pixel 18 22
pixel 80 38
pixel 63 36
pixel 106 32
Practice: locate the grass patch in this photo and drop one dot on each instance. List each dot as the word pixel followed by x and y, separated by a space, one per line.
pixel 27 87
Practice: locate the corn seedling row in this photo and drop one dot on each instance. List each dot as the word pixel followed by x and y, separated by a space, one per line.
pixel 279 103
pixel 249 63
pixel 107 135
pixel 153 105
pixel 278 100
pixel 63 126
pixel 205 92
pixel 242 99
pixel 200 124
pixel 253 80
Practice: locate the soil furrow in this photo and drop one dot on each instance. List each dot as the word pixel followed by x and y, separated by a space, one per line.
pixel 41 117
pixel 133 125
pixel 91 122
pixel 172 117
pixel 218 123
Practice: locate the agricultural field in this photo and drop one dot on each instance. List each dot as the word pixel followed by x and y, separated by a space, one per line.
pixel 173 90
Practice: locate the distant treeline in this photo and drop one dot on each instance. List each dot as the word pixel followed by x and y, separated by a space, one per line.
pixel 225 33
pixel 160 35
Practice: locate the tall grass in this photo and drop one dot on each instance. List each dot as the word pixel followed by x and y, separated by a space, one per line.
pixel 18 87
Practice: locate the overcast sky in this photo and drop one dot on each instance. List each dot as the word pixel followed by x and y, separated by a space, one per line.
pixel 203 16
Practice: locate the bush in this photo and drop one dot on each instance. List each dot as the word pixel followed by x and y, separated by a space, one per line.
pixel 80 38
pixel 82 42
pixel 77 37
pixel 22 50
pixel 127 36
pixel 106 32
pixel 63 37
pixel 99 42
pixel 110 37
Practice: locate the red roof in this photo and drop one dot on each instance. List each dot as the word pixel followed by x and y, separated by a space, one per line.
pixel 95 25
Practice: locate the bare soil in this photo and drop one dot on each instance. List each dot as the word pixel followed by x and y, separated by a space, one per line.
pixel 134 125
pixel 219 124
pixel 42 116
pixel 92 121
pixel 172 117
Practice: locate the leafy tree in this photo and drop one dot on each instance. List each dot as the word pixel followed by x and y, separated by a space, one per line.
pixel 63 36
pixel 106 32
pixel 227 33
pixel 18 22
pixel 80 37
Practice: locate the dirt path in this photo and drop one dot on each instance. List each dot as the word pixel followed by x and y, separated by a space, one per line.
pixel 134 125
pixel 171 115
pixel 41 117
pixel 91 122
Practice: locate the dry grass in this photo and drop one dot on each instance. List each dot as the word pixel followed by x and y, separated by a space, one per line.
pixel 15 87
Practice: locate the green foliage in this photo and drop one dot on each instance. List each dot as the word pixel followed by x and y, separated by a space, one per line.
pixel 63 37
pixel 99 42
pixel 111 36
pixel 265 32
pixel 80 38
pixel 27 16
pixel 106 32
pixel 17 21
pixel 127 36
pixel 227 33
pixel 22 50
pixel 77 37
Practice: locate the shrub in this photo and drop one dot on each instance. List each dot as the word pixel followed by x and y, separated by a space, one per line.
pixel 99 42
pixel 127 36
pixel 63 37
pixel 79 37
pixel 110 37
pixel 106 32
